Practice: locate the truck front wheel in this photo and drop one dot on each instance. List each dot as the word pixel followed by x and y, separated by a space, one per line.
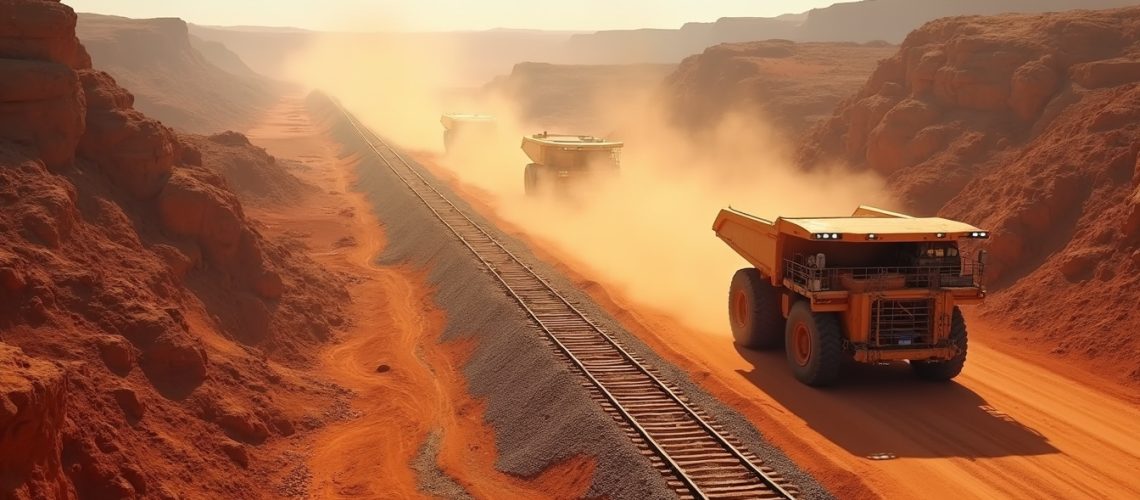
pixel 754 310
pixel 814 345
pixel 941 371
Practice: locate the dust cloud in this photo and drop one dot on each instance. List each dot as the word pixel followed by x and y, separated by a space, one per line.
pixel 396 83
pixel 647 232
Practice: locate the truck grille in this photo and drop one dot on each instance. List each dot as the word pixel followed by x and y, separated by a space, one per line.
pixel 902 322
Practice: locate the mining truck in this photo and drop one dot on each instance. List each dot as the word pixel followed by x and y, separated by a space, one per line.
pixel 875 287
pixel 465 127
pixel 560 160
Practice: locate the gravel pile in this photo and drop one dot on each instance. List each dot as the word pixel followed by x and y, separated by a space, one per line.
pixel 432 480
pixel 539 410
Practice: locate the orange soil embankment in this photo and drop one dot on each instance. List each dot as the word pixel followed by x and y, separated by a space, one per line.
pixel 396 324
pixel 1008 427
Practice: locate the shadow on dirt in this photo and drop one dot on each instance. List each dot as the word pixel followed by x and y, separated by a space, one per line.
pixel 883 412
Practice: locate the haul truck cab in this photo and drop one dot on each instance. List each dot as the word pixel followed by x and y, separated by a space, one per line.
pixel 877 286
pixel 462 127
pixel 558 160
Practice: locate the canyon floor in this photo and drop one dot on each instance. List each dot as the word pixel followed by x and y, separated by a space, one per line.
pixel 1012 425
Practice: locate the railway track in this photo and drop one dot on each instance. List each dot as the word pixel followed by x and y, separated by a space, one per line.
pixel 696 457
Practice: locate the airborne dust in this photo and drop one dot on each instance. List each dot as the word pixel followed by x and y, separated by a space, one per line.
pixel 646 233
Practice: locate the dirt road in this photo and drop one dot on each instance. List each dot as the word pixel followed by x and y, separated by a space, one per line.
pixel 1007 428
pixel 407 385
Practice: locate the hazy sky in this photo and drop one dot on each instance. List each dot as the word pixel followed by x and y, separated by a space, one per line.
pixel 448 14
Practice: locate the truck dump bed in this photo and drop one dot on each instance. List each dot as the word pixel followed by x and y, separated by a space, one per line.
pixel 451 120
pixel 537 145
pixel 761 242
pixel 752 237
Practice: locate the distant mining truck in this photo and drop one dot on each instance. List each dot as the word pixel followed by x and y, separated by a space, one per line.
pixel 463 127
pixel 559 160
pixel 878 286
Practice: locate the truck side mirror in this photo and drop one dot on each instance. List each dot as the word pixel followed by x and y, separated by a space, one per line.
pixel 982 256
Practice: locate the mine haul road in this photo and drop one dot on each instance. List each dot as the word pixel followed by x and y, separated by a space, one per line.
pixel 1016 424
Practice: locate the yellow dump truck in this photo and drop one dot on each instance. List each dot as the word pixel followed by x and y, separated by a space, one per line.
pixel 557 160
pixel 874 287
pixel 465 126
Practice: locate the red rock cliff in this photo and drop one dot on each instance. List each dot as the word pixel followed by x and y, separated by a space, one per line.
pixel 1029 126
pixel 139 307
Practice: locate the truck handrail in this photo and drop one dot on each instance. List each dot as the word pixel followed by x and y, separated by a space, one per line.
pixel 815 279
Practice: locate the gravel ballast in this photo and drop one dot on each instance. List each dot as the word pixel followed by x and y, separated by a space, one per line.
pixel 540 412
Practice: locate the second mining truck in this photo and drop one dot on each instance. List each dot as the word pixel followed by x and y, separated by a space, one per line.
pixel 557 161
pixel 875 287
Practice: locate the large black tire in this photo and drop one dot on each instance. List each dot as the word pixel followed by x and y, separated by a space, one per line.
pixel 530 179
pixel 754 311
pixel 814 345
pixel 942 371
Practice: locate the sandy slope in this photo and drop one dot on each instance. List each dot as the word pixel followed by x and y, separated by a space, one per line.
pixel 395 324
pixel 1009 426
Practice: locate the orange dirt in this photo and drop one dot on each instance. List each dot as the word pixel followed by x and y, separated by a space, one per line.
pixel 1008 427
pixel 397 324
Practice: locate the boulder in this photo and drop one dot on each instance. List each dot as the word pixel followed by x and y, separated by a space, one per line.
pixel 117 354
pixel 191 207
pixel 243 425
pixel 175 359
pixel 282 425
pixel 142 323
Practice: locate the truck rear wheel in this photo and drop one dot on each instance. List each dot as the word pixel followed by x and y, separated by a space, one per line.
pixel 530 179
pixel 942 371
pixel 754 310
pixel 814 345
